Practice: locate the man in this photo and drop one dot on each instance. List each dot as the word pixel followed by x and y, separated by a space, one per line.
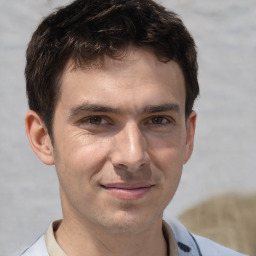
pixel 111 86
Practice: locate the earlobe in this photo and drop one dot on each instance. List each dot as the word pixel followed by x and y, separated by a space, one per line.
pixel 39 138
pixel 191 126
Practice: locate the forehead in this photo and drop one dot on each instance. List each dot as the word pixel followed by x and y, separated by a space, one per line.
pixel 138 74
pixel 124 60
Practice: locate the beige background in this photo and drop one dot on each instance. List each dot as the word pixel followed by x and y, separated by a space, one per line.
pixel 227 219
pixel 224 159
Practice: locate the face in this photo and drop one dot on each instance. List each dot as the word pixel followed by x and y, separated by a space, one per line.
pixel 120 141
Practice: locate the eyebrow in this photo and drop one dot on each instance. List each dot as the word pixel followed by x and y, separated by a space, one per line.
pixel 150 109
pixel 88 107
pixel 161 108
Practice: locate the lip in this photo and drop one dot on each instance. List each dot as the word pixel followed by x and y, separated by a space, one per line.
pixel 128 191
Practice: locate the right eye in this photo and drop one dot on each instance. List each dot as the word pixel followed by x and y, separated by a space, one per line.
pixel 94 120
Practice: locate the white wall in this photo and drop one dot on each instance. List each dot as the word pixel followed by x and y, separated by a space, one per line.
pixel 224 158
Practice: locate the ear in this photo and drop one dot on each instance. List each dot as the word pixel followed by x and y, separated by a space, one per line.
pixel 191 126
pixel 39 138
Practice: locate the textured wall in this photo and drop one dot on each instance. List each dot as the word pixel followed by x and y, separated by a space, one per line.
pixel 224 158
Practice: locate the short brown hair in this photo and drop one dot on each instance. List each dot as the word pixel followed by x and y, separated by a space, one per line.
pixel 87 30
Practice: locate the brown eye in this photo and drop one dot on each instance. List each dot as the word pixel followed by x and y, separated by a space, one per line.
pixel 94 121
pixel 97 120
pixel 159 120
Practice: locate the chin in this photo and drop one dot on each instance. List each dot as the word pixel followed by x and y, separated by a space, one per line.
pixel 127 223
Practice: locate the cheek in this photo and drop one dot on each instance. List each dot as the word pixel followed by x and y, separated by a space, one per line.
pixel 170 162
pixel 169 169
pixel 81 157
pixel 168 152
pixel 168 156
pixel 79 167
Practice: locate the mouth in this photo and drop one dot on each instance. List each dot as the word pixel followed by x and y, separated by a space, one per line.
pixel 126 191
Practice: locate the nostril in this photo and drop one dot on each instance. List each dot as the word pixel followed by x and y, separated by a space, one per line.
pixel 130 167
pixel 121 167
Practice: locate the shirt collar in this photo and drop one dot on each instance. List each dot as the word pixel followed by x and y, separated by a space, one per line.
pixel 55 250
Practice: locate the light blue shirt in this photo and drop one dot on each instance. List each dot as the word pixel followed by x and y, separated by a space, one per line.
pixel 188 244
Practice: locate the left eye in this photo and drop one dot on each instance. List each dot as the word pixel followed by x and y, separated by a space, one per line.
pixel 159 120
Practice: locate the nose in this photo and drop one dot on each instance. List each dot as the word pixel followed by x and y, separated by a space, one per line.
pixel 130 149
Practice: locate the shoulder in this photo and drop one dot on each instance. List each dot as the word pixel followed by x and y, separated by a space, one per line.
pixel 209 247
pixel 38 248
pixel 194 245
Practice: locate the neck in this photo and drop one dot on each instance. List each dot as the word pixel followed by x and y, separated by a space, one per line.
pixel 80 239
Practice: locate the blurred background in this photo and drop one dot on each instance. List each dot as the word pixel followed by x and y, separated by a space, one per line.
pixel 224 158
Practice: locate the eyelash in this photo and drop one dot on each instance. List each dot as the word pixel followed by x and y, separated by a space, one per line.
pixel 90 120
pixel 167 120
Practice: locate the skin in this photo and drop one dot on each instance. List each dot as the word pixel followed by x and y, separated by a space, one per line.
pixel 120 142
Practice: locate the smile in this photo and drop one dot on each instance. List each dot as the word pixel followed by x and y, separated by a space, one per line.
pixel 128 191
